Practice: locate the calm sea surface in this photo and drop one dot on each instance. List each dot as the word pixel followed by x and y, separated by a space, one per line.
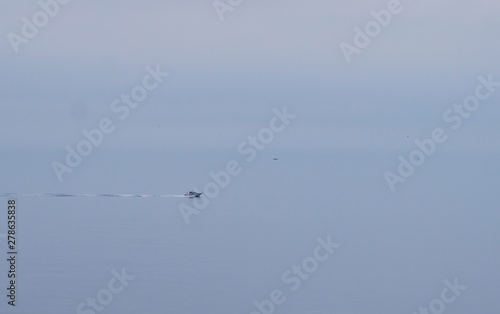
pixel 138 255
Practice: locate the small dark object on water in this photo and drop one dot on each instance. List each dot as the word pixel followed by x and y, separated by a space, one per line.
pixel 275 158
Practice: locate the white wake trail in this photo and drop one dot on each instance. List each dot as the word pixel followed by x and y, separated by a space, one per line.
pixel 86 195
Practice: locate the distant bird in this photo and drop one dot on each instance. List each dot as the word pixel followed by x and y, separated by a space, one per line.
pixel 275 158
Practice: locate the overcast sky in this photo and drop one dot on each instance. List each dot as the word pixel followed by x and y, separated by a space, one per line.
pixel 227 76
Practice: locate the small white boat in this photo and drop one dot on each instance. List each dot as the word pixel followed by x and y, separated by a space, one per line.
pixel 192 194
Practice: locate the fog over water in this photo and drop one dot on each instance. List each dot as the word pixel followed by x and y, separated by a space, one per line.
pixel 347 152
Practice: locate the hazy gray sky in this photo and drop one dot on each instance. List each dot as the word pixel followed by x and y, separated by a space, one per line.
pixel 226 76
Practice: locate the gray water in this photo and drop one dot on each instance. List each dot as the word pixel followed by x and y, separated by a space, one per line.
pixel 396 249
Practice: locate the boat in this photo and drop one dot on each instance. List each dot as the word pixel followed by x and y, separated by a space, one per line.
pixel 192 194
